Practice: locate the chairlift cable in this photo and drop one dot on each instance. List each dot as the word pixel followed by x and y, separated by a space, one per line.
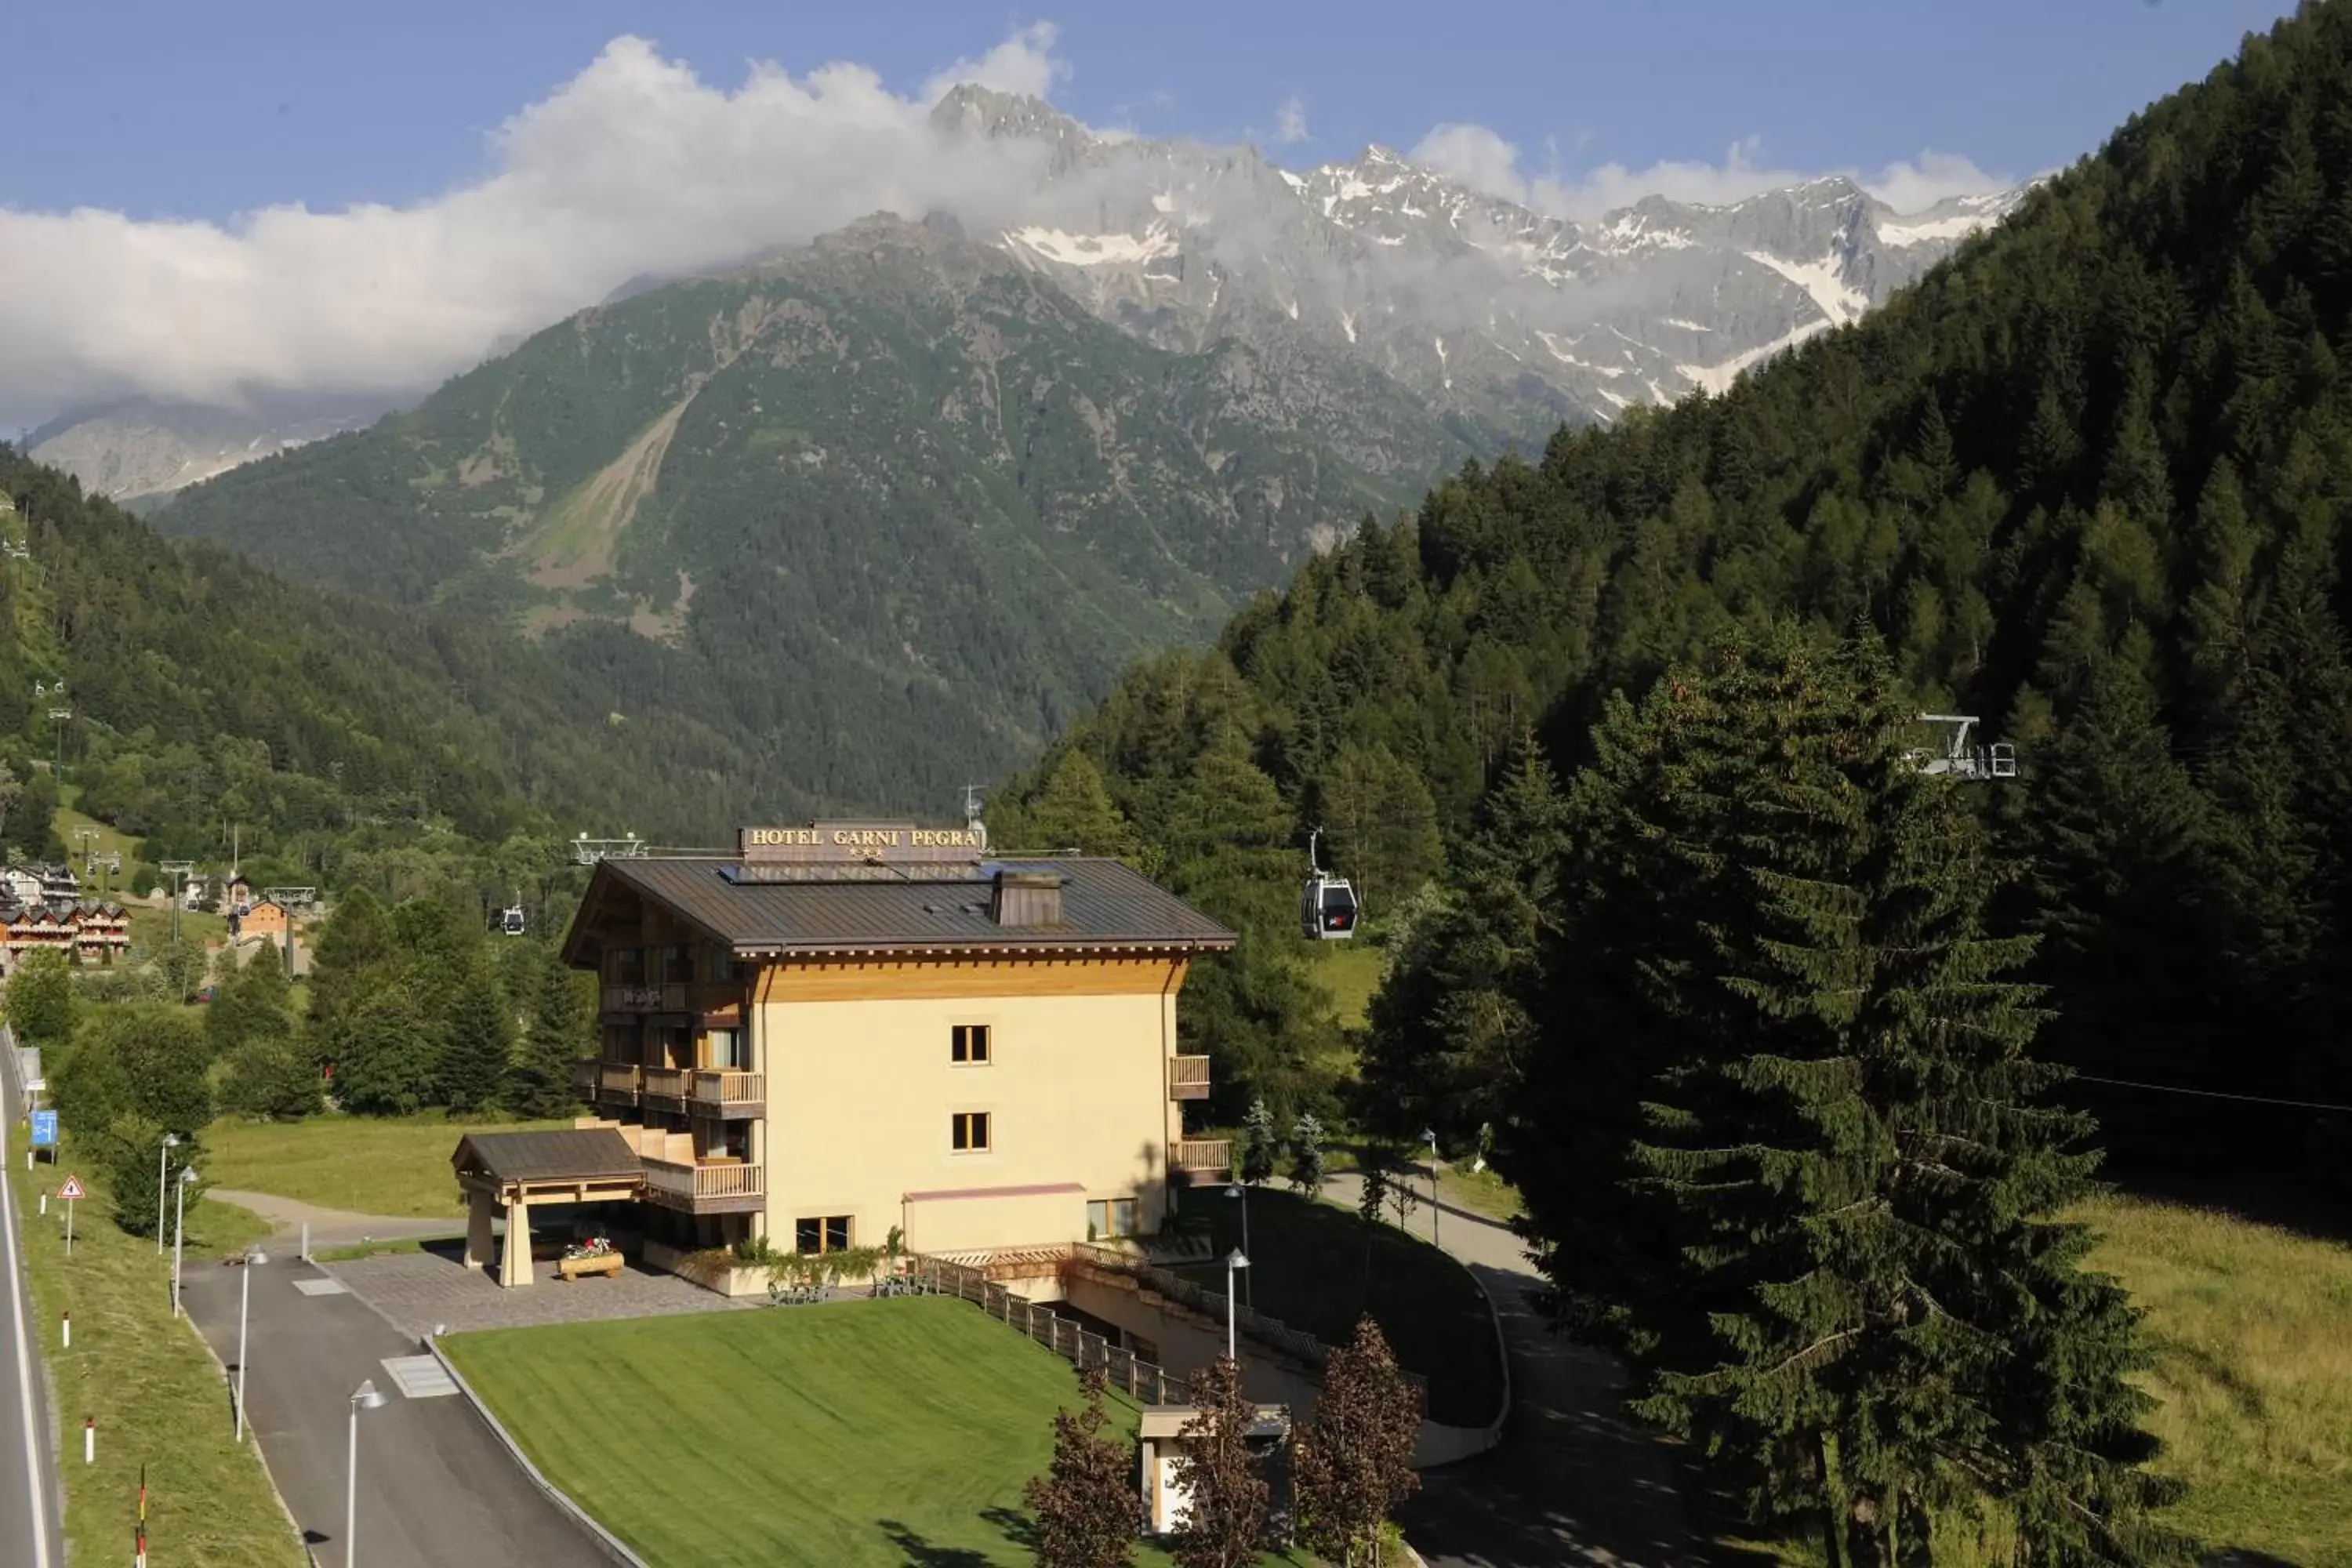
pixel 2210 1093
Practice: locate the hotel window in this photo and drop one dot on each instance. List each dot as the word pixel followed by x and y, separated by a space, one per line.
pixel 968 1043
pixel 969 1131
pixel 830 1234
pixel 1108 1218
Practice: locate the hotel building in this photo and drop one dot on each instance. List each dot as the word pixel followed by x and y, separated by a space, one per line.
pixel 847 1027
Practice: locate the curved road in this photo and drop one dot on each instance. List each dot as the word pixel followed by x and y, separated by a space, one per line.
pixel 29 1505
pixel 1573 1482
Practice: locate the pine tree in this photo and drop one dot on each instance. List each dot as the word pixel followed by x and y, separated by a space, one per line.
pixel 1073 811
pixel 1853 1161
pixel 539 1084
pixel 1227 1494
pixel 1261 1148
pixel 1306 1154
pixel 386 1058
pixel 1086 1506
pixel 1353 1463
pixel 475 1048
pixel 355 955
pixel 256 1003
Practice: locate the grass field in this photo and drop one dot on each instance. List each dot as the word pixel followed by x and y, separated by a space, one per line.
pixel 881 1432
pixel 157 1395
pixel 1309 1267
pixel 1350 972
pixel 377 1165
pixel 2253 1331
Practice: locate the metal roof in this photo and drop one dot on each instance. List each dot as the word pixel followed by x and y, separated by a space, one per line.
pixel 557 1154
pixel 1104 905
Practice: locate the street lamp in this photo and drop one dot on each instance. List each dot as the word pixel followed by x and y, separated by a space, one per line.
pixel 1429 1138
pixel 1234 1259
pixel 162 1161
pixel 252 1261
pixel 180 1228
pixel 363 1397
pixel 1235 1190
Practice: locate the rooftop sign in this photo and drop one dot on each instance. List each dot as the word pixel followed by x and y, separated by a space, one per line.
pixel 894 843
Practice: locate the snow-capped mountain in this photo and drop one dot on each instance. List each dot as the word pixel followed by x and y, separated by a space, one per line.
pixel 1509 317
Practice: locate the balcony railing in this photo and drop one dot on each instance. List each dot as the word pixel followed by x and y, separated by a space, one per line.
pixel 671 996
pixel 584 1077
pixel 1188 1078
pixel 618 1081
pixel 729 1092
pixel 706 1187
pixel 1201 1156
pixel 668 1085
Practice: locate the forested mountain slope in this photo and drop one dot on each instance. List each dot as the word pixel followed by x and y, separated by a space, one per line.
pixel 214 705
pixel 889 508
pixel 2089 478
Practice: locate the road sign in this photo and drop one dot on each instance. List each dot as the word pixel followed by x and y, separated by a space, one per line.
pixel 44 1130
pixel 69 1191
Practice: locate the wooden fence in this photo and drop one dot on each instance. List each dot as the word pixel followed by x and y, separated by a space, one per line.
pixel 1143 1380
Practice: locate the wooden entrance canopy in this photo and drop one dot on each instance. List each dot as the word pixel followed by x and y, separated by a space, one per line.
pixel 515 1171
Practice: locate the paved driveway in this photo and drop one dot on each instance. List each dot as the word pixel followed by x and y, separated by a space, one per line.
pixel 435 1490
pixel 1573 1482
pixel 423 1291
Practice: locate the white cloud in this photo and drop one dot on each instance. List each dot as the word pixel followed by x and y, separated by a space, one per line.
pixel 1290 120
pixel 634 166
pixel 1024 64
pixel 1483 159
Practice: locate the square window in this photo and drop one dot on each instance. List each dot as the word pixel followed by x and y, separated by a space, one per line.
pixel 968 1043
pixel 1110 1218
pixel 969 1131
pixel 829 1233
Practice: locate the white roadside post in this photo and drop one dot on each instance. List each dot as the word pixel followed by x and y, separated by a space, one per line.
pixel 180 1230
pixel 363 1397
pixel 162 1163
pixel 1235 1259
pixel 252 1261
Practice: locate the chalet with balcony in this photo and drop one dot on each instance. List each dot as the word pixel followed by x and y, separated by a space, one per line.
pixel 848 1027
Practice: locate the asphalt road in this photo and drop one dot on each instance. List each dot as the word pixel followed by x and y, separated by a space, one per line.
pixel 1573 1480
pixel 31 1501
pixel 436 1488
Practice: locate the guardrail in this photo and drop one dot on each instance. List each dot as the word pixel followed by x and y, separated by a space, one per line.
pixel 1145 1382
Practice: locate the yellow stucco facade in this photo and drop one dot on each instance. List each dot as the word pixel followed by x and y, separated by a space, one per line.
pixel 864 1091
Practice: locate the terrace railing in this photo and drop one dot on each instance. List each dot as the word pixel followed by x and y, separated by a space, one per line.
pixel 1145 1382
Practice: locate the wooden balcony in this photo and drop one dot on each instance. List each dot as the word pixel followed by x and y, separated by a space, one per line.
pixel 1188 1077
pixel 665 1087
pixel 607 1083
pixel 671 996
pixel 706 1187
pixel 1209 1158
pixel 727 1092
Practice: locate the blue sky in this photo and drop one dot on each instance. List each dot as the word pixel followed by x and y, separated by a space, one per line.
pixel 159 108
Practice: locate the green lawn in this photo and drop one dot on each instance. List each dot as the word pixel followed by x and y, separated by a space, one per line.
pixel 376 1165
pixel 865 1432
pixel 1317 1268
pixel 157 1395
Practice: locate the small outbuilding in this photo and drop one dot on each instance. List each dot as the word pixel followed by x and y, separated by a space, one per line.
pixel 1160 1435
pixel 518 1171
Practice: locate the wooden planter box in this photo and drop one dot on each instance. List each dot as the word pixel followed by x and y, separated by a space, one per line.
pixel 573 1268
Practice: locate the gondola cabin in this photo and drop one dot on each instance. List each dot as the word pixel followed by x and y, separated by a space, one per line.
pixel 1326 909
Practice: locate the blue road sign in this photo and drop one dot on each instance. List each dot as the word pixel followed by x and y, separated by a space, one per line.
pixel 44 1130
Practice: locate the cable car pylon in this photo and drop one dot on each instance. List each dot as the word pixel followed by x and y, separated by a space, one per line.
pixel 1327 905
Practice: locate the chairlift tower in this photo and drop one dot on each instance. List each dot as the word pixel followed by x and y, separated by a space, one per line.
pixel 179 872
pixel 1959 760
pixel 587 851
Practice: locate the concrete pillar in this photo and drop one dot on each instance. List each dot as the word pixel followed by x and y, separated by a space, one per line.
pixel 514 1263
pixel 478 1228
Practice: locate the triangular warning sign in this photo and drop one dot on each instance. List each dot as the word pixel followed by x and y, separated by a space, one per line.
pixel 72 1189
